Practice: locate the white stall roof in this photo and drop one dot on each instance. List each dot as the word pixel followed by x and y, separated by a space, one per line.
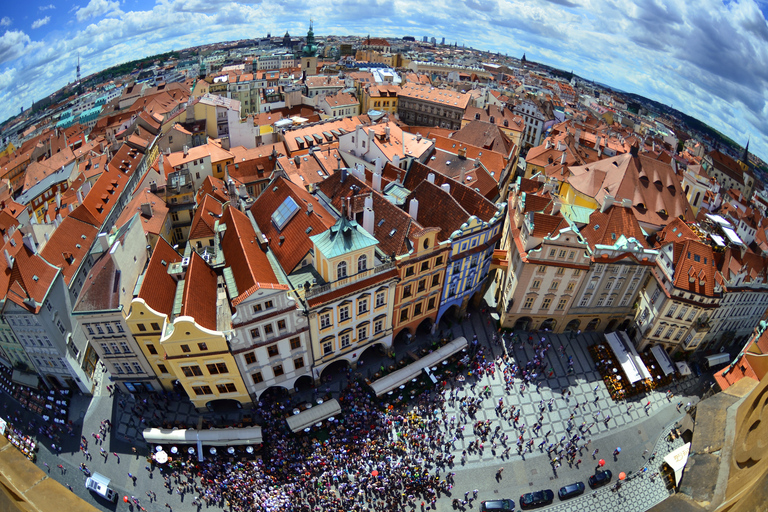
pixel 627 356
pixel 732 236
pixel 210 437
pixel 311 416
pixel 663 359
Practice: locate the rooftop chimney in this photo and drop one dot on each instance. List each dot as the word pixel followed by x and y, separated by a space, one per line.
pixel 146 210
pixel 104 241
pixel 597 142
pixel 377 182
pixel 446 187
pixel 431 177
pixel 413 209
pixel 378 165
pixel 562 159
pixel 29 242
pixel 607 202
pixel 8 258
pixel 368 218
pixel 79 196
pixel 185 149
pixel 463 153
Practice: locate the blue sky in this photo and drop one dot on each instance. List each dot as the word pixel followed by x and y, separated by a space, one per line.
pixel 707 58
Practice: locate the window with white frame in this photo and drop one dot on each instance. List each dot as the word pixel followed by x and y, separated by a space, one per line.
pixel 341 270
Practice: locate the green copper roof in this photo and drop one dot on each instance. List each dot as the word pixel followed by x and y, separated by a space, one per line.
pixel 343 237
pixel 577 214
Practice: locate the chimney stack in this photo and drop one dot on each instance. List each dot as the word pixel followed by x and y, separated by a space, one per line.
pixel 146 210
pixel 185 149
pixel 29 242
pixel 607 203
pixel 377 181
pixel 368 216
pixel 413 209
pixel 104 241
pixel 446 187
pixel 431 177
pixel 8 258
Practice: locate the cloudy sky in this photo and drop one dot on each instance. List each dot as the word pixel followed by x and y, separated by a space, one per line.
pixel 708 58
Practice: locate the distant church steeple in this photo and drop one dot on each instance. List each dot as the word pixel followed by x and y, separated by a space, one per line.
pixel 745 156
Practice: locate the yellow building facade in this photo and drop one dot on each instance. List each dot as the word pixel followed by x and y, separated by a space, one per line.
pixel 147 327
pixel 201 360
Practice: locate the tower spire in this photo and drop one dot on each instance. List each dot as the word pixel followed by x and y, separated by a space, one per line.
pixel 745 156
pixel 78 68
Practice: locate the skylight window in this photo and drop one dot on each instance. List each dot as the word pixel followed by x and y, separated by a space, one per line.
pixel 284 213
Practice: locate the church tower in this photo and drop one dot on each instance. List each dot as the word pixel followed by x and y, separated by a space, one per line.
pixel 309 54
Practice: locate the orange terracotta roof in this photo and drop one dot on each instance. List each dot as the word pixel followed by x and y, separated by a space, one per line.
pixel 296 243
pixel 206 215
pixel 30 278
pixel 154 224
pixel 199 296
pixel 69 245
pixel 158 289
pixel 250 266
pixel 605 228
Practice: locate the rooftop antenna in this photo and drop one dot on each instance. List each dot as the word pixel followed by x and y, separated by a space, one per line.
pixel 78 68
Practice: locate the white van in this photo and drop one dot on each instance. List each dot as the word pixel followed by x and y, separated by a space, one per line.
pixel 99 484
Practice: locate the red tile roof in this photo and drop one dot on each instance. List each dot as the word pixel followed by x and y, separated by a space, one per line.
pixel 250 266
pixel 296 243
pixel 206 215
pixel 69 245
pixel 199 297
pixel 605 228
pixel 158 288
pixel 31 277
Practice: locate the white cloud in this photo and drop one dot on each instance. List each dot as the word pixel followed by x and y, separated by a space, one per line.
pixel 13 44
pixel 98 8
pixel 42 21
pixel 46 7
pixel 5 21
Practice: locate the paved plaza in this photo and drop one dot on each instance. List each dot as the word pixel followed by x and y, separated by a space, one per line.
pixel 635 429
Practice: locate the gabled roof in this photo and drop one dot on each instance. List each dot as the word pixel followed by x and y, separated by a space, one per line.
pixel 199 296
pixel 484 135
pixel 545 224
pixel 250 267
pixel 205 218
pixel 252 170
pixel 605 228
pixel 694 264
pixel 101 290
pixel 215 188
pixel 158 288
pixel 295 243
pixel 31 277
pixel 69 245
pixel 153 224
pixel 470 200
pixel 652 186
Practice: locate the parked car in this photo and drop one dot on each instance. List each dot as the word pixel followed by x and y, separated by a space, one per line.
pixel 537 499
pixel 502 504
pixel 600 478
pixel 569 491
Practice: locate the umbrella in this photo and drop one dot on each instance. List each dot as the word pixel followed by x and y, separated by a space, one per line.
pixel 174 450
pixel 231 449
pixel 161 457
pixel 601 462
pixel 374 473
pixel 622 475
pixel 212 450
pixel 158 448
pixel 249 449
pixel 191 450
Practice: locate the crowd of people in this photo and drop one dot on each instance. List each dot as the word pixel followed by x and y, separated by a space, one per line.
pixel 381 457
